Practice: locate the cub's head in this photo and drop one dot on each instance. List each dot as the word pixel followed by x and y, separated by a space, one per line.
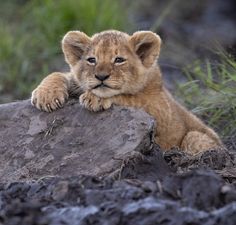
pixel 111 62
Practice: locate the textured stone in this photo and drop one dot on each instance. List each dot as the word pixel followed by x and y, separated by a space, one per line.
pixel 69 141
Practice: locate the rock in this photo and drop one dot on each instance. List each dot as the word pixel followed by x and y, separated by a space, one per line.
pixel 69 141
pixel 58 148
pixel 88 200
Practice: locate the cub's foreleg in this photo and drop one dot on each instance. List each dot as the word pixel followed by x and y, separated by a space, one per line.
pixel 94 103
pixel 52 92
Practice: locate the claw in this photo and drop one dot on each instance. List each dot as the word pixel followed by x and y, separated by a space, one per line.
pixel 49 108
pixel 34 101
pixel 40 107
pixel 58 103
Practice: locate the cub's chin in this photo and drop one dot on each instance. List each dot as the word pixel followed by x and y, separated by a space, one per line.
pixel 105 92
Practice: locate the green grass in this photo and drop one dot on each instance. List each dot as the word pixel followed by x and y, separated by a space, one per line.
pixel 211 93
pixel 31 32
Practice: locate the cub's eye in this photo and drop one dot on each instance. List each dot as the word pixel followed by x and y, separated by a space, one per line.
pixel 91 60
pixel 119 60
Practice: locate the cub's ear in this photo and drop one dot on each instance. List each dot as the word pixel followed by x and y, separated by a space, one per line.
pixel 74 44
pixel 147 45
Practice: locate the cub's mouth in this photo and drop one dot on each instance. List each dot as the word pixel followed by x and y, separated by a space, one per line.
pixel 103 90
pixel 101 85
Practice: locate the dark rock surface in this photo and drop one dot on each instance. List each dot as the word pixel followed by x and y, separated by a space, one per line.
pixel 197 197
pixel 69 141
pixel 133 181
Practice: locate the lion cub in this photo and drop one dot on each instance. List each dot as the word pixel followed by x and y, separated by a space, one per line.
pixel 113 67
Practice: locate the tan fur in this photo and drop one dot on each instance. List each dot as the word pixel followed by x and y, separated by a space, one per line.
pixel 135 82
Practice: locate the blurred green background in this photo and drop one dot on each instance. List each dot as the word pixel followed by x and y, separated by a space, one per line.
pixel 197 57
pixel 31 32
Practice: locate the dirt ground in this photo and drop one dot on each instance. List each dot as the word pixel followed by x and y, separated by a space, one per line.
pixel 186 190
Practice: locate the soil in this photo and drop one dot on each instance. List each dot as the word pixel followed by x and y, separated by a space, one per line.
pixel 186 190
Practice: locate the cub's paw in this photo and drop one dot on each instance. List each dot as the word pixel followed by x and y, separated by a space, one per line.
pixel 49 98
pixel 93 102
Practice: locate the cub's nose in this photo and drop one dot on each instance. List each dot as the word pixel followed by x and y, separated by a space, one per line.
pixel 102 77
